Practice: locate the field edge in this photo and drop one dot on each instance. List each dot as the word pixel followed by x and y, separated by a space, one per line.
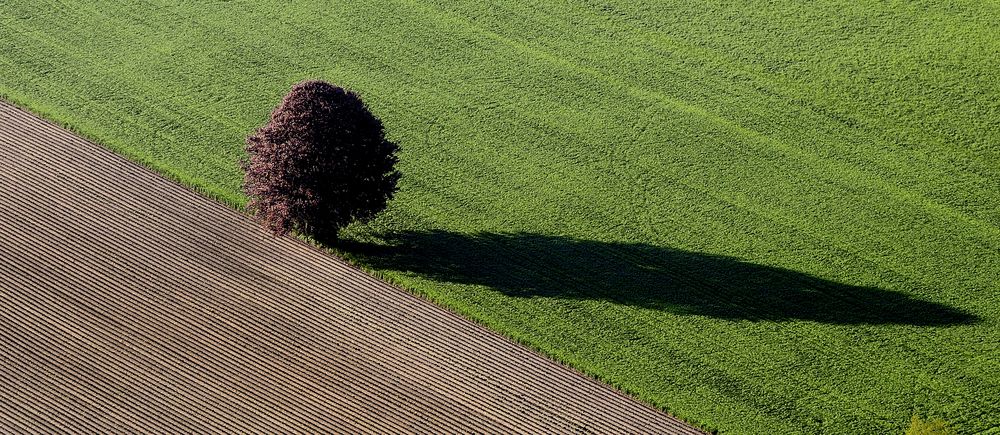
pixel 63 120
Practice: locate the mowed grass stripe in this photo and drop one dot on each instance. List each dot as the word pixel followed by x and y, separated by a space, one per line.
pixel 539 20
pixel 675 126
pixel 528 45
pixel 991 230
pixel 813 182
pixel 841 172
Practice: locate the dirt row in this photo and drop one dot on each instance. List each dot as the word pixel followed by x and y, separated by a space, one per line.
pixel 130 302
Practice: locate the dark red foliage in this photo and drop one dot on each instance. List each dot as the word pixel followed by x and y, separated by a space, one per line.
pixel 321 162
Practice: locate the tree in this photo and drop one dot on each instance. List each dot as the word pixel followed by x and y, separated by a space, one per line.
pixel 321 162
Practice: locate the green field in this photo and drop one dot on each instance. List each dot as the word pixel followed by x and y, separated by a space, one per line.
pixel 763 217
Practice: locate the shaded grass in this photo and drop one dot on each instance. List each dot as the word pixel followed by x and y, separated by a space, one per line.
pixel 849 146
pixel 642 275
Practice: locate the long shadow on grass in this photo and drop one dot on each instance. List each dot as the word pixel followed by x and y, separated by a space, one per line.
pixel 532 265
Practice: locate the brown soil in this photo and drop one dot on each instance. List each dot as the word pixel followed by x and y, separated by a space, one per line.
pixel 129 302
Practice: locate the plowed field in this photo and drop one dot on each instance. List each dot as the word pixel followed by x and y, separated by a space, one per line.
pixel 130 303
pixel 763 216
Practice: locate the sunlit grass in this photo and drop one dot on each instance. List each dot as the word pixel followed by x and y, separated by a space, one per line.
pixel 802 198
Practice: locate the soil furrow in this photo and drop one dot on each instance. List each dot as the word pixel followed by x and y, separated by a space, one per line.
pixel 487 408
pixel 118 281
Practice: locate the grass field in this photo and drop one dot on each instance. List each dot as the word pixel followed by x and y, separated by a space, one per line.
pixel 764 217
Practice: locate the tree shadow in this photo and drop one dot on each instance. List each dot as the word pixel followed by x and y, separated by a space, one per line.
pixel 534 265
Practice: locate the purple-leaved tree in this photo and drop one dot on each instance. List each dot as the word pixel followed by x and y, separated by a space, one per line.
pixel 321 162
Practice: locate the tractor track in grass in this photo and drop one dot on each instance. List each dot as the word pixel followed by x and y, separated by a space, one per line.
pixel 128 301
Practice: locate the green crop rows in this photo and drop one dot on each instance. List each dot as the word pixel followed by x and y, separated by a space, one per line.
pixel 764 217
